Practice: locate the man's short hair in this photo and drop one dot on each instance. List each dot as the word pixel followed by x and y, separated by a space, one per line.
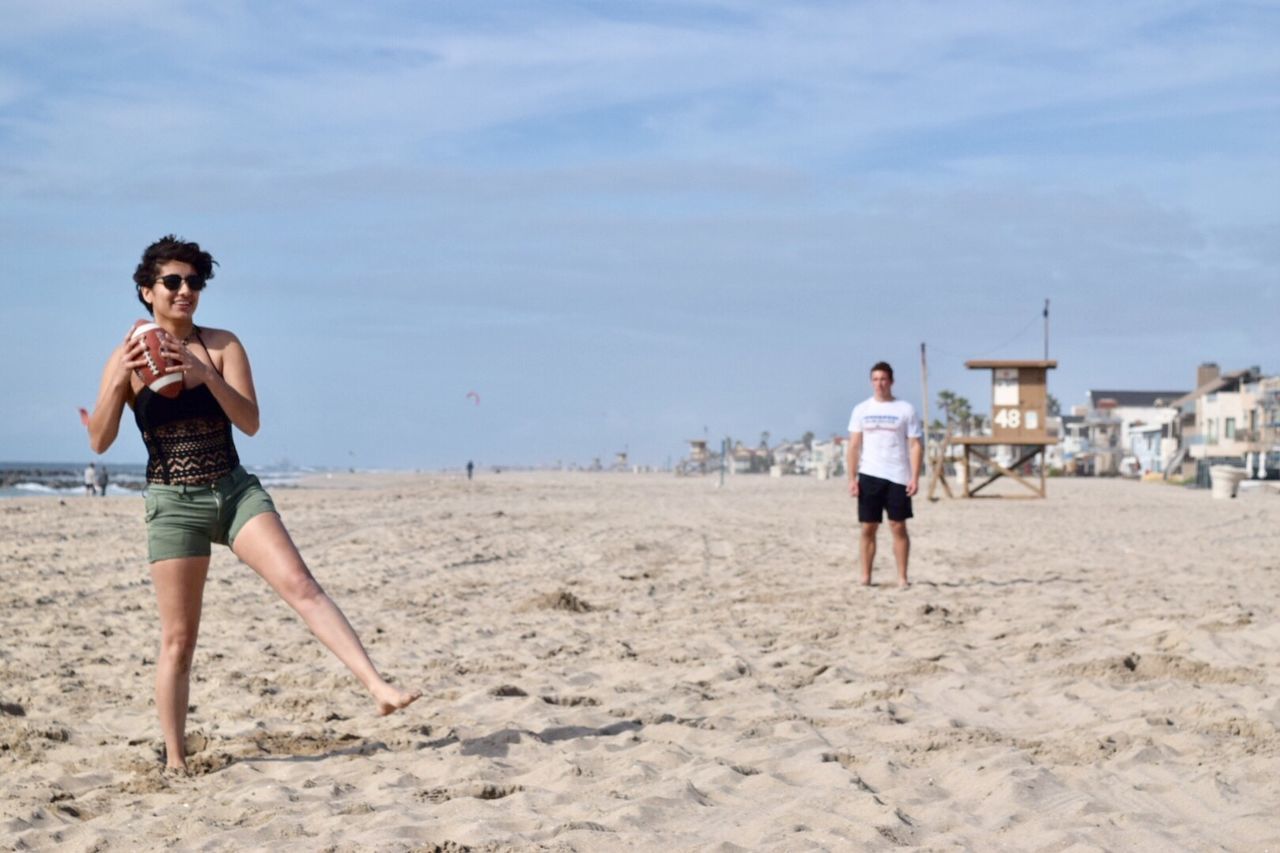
pixel 883 365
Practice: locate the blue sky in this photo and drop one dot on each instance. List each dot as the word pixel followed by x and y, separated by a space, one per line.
pixel 624 223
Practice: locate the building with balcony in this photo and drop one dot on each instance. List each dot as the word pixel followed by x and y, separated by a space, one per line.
pixel 1149 423
pixel 1235 413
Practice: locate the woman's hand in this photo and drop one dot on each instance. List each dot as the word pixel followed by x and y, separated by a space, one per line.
pixel 182 358
pixel 132 358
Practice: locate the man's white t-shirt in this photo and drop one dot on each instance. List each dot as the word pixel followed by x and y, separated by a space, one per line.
pixel 885 428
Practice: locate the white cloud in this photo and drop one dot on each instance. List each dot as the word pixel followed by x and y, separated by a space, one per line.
pixel 807 81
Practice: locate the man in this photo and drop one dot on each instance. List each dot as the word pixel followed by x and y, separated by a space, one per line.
pixel 90 479
pixel 101 480
pixel 883 459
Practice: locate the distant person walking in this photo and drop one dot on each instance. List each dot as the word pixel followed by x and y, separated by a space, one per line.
pixel 884 456
pixel 101 480
pixel 90 479
pixel 471 467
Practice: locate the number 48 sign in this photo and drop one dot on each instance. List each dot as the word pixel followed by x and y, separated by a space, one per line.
pixel 1009 418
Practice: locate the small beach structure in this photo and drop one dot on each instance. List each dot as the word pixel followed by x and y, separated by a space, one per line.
pixel 698 460
pixel 1019 419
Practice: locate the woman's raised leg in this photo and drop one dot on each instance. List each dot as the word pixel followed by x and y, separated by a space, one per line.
pixel 179 586
pixel 264 545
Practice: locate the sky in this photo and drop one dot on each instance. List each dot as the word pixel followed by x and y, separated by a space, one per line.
pixel 628 224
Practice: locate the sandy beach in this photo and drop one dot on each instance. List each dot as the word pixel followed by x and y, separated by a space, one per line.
pixel 644 662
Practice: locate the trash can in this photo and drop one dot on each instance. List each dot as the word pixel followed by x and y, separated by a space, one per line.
pixel 1225 480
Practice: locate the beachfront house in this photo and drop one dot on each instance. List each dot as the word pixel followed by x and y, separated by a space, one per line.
pixel 1149 448
pixel 1148 424
pixel 790 457
pixel 1055 456
pixel 826 458
pixel 1102 451
pixel 1236 417
pixel 747 460
pixel 1075 439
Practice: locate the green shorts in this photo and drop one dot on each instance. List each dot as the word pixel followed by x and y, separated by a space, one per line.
pixel 183 521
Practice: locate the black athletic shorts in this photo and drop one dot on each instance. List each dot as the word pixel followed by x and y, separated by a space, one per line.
pixel 876 496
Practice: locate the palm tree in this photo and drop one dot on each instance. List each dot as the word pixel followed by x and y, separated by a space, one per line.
pixel 946 402
pixel 964 414
pixel 956 409
pixel 937 429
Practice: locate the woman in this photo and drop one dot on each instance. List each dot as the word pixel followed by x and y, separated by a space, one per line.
pixel 197 492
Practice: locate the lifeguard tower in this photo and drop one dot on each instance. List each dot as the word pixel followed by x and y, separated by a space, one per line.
pixel 1019 419
pixel 699 456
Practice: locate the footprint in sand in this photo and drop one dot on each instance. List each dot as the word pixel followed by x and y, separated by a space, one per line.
pixel 565 600
pixel 507 690
pixel 478 790
pixel 570 701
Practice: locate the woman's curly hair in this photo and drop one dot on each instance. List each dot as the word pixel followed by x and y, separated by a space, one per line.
pixel 170 248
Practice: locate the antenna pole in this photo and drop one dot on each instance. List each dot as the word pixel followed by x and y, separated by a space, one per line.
pixel 924 381
pixel 1046 330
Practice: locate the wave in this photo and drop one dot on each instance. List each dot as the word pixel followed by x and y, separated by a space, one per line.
pixel 125 487
pixel 41 488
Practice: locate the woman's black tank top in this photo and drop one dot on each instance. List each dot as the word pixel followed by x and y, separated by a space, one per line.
pixel 188 438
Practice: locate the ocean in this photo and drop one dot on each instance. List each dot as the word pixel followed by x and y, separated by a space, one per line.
pixel 60 479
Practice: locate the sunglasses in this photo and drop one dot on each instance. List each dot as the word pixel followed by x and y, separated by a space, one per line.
pixel 173 281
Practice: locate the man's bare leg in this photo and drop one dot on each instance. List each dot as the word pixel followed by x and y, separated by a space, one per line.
pixel 868 550
pixel 901 549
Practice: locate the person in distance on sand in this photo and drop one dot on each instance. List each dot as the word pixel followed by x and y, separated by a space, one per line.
pixel 197 491
pixel 883 464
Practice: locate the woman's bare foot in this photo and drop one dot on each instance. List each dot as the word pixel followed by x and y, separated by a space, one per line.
pixel 903 583
pixel 172 764
pixel 391 698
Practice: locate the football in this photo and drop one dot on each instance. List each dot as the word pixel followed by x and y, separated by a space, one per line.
pixel 154 373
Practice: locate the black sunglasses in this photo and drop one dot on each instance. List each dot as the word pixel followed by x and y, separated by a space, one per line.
pixel 173 281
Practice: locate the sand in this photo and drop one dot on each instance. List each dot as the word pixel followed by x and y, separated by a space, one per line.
pixel 649 663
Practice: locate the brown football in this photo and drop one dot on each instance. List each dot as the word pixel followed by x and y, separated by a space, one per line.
pixel 154 373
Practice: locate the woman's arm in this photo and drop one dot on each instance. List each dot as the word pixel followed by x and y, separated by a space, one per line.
pixel 114 392
pixel 233 388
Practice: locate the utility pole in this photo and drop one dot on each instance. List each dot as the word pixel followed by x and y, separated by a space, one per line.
pixel 924 380
pixel 1046 330
pixel 936 463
